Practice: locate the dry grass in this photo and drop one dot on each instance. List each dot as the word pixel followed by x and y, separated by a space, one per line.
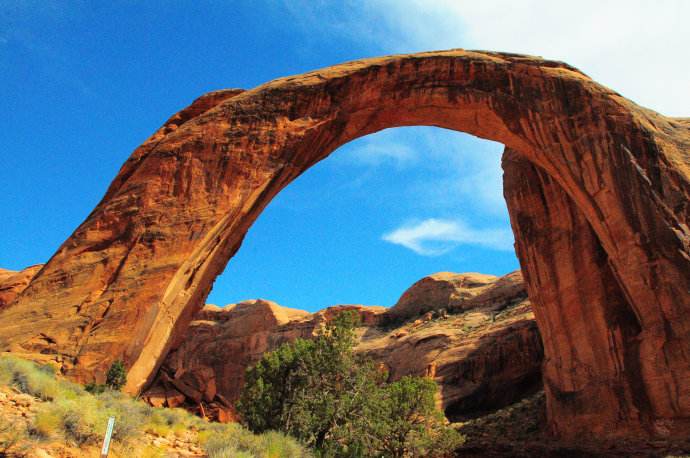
pixel 75 418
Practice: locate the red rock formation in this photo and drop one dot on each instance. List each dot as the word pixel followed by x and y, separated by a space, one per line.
pixel 450 291
pixel 576 273
pixel 129 280
pixel 12 283
pixel 208 367
pixel 484 356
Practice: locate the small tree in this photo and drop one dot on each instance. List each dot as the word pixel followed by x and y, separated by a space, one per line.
pixel 322 393
pixel 116 377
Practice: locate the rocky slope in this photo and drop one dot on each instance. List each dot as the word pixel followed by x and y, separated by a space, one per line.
pixel 18 410
pixel 597 188
pixel 475 335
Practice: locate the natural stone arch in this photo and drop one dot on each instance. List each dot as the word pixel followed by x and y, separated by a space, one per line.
pixel 127 282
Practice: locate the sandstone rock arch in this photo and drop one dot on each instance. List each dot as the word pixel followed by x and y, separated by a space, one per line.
pixel 597 188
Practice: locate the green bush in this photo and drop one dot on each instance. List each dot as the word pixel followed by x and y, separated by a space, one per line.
pixel 321 393
pixel 116 377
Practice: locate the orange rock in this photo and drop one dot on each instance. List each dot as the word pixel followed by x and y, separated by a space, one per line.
pixel 130 279
pixel 496 364
pixel 13 283
pixel 442 290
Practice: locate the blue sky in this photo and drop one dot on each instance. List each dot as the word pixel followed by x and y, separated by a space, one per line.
pixel 84 83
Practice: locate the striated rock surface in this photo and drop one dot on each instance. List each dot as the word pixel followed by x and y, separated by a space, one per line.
pixel 12 283
pixel 484 355
pixel 130 279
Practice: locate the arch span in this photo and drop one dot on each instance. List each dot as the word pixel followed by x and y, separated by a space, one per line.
pixel 597 188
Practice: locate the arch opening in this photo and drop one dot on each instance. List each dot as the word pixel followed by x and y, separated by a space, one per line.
pixel 378 214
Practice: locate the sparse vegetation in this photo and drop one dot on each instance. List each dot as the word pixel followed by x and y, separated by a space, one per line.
pixel 12 438
pixel 322 393
pixel 72 416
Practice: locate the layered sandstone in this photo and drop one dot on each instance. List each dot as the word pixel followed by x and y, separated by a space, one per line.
pixel 484 355
pixel 451 291
pixel 12 283
pixel 130 279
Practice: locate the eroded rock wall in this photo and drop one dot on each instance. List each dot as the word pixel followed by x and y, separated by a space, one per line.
pixel 592 337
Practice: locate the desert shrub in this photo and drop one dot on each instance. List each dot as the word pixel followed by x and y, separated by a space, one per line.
pixel 232 440
pixel 79 421
pixel 116 377
pixel 165 421
pixel 131 416
pixel 151 451
pixel 276 444
pixel 410 423
pixel 323 394
pixel 36 380
pixel 96 388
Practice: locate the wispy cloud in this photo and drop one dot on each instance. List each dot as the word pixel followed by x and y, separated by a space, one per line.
pixel 434 237
pixel 381 151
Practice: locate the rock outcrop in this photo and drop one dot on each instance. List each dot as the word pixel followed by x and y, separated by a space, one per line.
pixel 206 372
pixel 12 283
pixel 451 291
pixel 130 279
pixel 485 354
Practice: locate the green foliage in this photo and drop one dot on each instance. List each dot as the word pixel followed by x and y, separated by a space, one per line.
pixel 38 381
pixel 232 440
pixel 410 424
pixel 78 421
pixel 96 388
pixel 116 377
pixel 322 393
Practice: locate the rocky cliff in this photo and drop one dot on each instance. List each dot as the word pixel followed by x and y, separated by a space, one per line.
pixel 485 353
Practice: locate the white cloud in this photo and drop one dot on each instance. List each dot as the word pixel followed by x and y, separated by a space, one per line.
pixel 377 150
pixel 637 47
pixel 434 237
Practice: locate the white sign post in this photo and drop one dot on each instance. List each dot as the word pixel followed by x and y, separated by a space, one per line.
pixel 106 439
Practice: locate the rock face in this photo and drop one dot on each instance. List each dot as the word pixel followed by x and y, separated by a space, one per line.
pixel 12 283
pixel 206 372
pixel 130 279
pixel 450 291
pixel 484 355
